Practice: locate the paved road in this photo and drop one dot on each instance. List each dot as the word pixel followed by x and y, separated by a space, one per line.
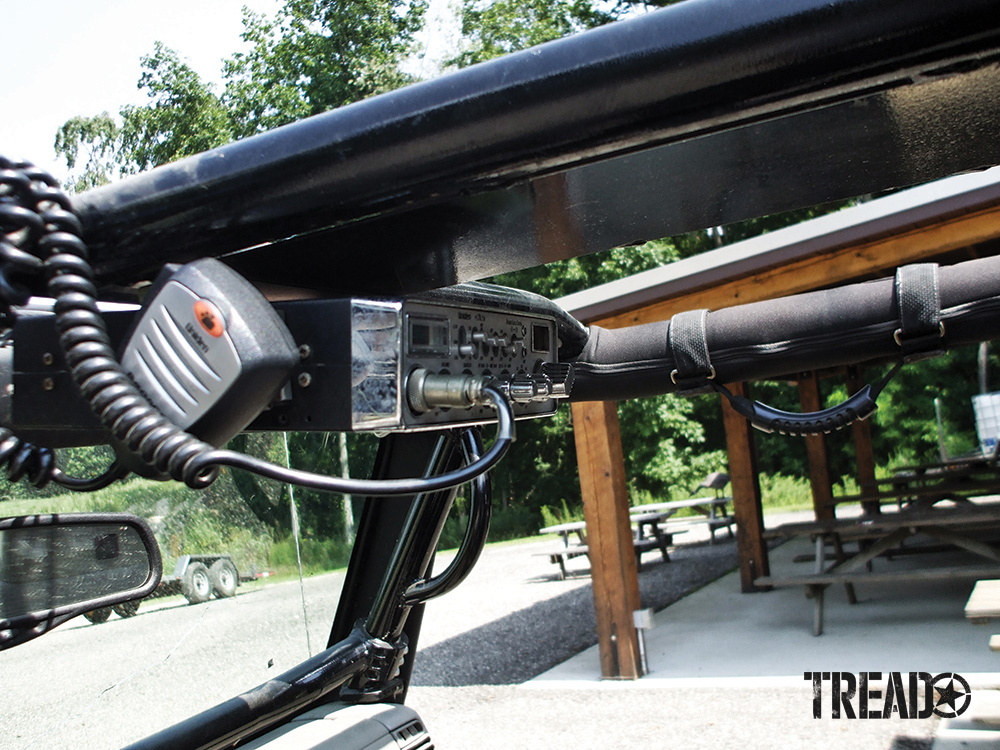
pixel 103 686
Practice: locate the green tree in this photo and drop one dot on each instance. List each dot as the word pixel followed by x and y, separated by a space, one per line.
pixel 316 55
pixel 98 138
pixel 183 116
pixel 494 28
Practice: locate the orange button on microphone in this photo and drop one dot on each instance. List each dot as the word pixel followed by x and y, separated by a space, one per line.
pixel 209 318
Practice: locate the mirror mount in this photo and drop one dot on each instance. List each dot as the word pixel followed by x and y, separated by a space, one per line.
pixel 55 567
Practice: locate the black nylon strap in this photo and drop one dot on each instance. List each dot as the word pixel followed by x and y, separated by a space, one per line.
pixel 688 340
pixel 918 301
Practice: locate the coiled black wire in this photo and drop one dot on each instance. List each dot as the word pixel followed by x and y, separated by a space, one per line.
pixel 21 227
pixel 123 409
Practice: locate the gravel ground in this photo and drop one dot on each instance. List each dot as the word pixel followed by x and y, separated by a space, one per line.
pixel 513 619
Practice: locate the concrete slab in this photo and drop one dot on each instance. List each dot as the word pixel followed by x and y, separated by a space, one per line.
pixel 718 636
pixel 727 671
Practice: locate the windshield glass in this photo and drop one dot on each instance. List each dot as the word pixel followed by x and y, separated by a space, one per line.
pixel 208 634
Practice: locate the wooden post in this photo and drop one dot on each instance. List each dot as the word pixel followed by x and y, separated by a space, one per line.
pixel 745 481
pixel 819 463
pixel 864 453
pixel 614 577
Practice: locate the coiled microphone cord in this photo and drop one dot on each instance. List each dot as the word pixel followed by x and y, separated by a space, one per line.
pixel 31 206
pixel 125 411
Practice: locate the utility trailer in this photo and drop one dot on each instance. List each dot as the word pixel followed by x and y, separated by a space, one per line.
pixel 197 577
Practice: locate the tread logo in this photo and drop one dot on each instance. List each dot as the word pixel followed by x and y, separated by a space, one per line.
pixel 946 695
pixel 209 318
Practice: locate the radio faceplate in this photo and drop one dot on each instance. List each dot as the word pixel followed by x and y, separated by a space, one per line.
pixel 475 341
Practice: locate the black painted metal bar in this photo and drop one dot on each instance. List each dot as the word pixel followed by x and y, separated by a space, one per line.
pixel 486 146
pixel 415 547
pixel 406 527
pixel 892 139
pixel 377 575
pixel 481 510
pixel 265 706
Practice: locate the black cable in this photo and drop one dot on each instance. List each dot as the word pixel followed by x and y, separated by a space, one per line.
pixel 23 187
pixel 478 528
pixel 23 459
pixel 372 487
pixel 115 472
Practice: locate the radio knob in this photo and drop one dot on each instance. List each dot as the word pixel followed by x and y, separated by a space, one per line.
pixel 522 388
pixel 560 377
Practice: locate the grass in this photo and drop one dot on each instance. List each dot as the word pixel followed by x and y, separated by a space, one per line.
pixel 136 496
pixel 318 556
pixel 779 492
pixel 192 527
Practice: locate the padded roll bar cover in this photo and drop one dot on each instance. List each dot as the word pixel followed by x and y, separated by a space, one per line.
pixel 828 328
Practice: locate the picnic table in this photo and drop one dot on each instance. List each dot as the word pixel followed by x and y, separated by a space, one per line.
pixel 647 535
pixel 881 535
pixel 927 484
pixel 712 511
pixel 650 523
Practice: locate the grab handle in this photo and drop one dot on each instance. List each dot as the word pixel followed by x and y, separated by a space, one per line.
pixel 768 419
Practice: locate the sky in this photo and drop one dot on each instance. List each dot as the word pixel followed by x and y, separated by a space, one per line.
pixel 64 58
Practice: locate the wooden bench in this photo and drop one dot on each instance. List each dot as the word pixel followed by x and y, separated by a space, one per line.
pixel 984 602
pixel 648 535
pixel 560 557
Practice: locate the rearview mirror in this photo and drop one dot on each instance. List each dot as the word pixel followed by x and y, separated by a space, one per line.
pixel 54 567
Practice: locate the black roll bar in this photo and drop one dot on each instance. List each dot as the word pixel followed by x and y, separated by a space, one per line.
pixel 694 69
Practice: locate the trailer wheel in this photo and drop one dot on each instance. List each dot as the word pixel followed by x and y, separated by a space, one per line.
pixel 196 585
pixel 224 578
pixel 98 616
pixel 127 609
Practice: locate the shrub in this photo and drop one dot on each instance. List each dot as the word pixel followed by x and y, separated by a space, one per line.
pixel 318 555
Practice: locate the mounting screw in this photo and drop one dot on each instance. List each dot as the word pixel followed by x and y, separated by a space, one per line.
pixel 48 384
pixel 305 351
pixel 305 379
pixel 48 359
